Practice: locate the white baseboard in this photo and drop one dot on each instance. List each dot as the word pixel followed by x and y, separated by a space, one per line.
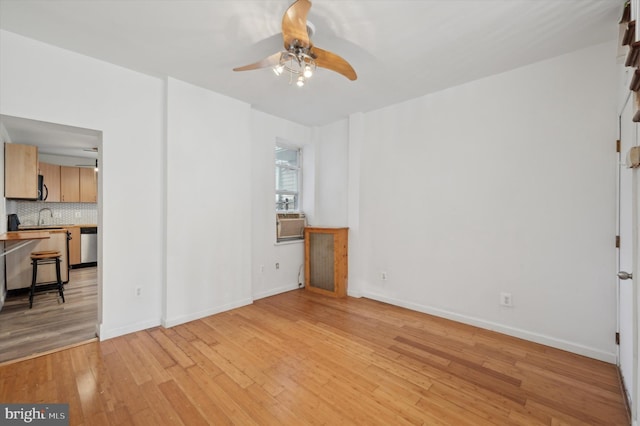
pixel 274 291
pixel 577 348
pixel 181 319
pixel 105 333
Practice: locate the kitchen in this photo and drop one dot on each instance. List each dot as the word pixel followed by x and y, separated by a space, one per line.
pixel 50 192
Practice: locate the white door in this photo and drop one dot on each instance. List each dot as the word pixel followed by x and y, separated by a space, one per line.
pixel 626 293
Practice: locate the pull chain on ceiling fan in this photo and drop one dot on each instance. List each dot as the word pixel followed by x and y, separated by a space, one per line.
pixel 300 57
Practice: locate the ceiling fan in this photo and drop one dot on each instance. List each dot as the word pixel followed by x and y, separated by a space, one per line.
pixel 300 57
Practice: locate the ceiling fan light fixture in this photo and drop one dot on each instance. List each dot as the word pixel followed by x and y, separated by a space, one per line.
pixel 300 55
pixel 277 70
pixel 308 72
pixel 297 64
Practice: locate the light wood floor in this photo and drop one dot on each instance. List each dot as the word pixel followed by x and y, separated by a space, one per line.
pixel 50 324
pixel 300 358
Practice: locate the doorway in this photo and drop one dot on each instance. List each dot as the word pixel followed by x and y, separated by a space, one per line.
pixel 51 325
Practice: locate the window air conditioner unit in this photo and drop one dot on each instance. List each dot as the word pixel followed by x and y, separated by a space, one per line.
pixel 290 226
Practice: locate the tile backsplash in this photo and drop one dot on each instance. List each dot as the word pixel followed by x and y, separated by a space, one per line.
pixel 63 213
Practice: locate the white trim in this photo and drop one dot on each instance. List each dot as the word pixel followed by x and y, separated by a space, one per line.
pixel 287 242
pixel 609 357
pixel 106 333
pixel 170 322
pixel 274 291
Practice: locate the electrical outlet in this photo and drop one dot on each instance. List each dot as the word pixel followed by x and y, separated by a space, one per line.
pixel 506 299
pixel 138 291
pixel 383 276
pixel 78 214
pixel 277 265
pixel 57 215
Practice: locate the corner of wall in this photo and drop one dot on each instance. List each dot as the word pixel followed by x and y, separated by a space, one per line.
pixel 3 215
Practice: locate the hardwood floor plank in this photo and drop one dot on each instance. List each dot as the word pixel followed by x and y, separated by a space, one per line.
pixel 169 346
pixel 255 410
pixel 124 388
pixel 165 413
pixel 229 407
pixel 207 407
pixel 152 367
pixel 136 366
pixel 181 404
pixel 90 400
pixel 153 348
pixel 148 417
pixel 302 358
pixel 65 379
pixel 269 403
pixel 489 410
pixel 223 364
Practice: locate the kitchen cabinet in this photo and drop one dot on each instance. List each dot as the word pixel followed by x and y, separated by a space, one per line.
pixel 20 171
pixel 51 175
pixel 18 263
pixel 74 245
pixel 78 185
pixel 69 184
pixel 88 185
pixel 325 260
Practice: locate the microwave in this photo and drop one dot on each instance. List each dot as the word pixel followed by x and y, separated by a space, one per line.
pixel 43 191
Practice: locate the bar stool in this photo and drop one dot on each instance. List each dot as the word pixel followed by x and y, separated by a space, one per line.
pixel 48 257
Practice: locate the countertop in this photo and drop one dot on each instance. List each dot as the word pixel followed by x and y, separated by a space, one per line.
pixel 54 227
pixel 25 235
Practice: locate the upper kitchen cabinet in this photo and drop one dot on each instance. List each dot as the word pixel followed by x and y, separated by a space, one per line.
pixel 88 185
pixel 20 171
pixel 51 182
pixel 78 185
pixel 69 184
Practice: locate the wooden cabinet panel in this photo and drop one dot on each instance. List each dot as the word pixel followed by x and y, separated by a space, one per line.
pixel 88 185
pixel 20 171
pixel 69 184
pixel 326 261
pixel 51 174
pixel 74 245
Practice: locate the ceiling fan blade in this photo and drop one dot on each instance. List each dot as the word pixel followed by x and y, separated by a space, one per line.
pixel 269 61
pixel 294 25
pixel 329 60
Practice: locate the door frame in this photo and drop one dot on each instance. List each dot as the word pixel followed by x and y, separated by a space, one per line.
pixel 635 255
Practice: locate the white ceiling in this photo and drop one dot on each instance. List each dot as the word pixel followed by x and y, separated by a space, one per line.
pixel 52 138
pixel 400 49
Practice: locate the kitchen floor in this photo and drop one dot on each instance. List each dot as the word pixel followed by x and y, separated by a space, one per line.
pixel 50 324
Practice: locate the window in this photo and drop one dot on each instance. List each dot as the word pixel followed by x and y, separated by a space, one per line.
pixel 288 172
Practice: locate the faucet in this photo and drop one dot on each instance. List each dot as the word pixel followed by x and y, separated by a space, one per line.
pixel 41 210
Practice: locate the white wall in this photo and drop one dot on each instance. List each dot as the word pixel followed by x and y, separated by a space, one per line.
pixel 267 280
pixel 42 82
pixel 208 265
pixel 3 212
pixel 208 203
pixel 332 159
pixel 505 184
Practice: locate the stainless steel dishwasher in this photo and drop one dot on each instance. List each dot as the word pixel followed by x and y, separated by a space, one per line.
pixel 89 244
